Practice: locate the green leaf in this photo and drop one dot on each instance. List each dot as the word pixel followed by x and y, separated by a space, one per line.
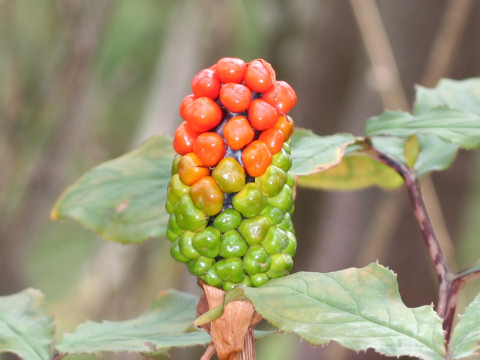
pixel 24 328
pixel 312 153
pixel 458 94
pixel 354 172
pixel 434 155
pixel 465 341
pixel 167 323
pixel 123 199
pixel 452 125
pixel 358 308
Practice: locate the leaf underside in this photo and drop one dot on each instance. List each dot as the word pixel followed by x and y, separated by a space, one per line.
pixel 465 341
pixel 358 308
pixel 24 328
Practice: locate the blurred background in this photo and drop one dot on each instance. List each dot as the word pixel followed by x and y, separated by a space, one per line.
pixel 84 81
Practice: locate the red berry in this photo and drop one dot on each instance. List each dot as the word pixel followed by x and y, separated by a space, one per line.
pixel 230 70
pixel 238 132
pixel 259 76
pixel 184 139
pixel 262 115
pixel 235 97
pixel 273 138
pixel 206 83
pixel 256 158
pixel 210 148
pixel 285 123
pixel 203 114
pixel 281 96
pixel 187 100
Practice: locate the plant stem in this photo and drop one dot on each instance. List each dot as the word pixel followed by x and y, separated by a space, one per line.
pixel 430 238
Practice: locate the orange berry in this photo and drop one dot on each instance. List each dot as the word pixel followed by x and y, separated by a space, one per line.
pixel 285 123
pixel 238 132
pixel 262 115
pixel 256 158
pixel 259 75
pixel 203 114
pixel 235 97
pixel 230 70
pixel 206 83
pixel 282 96
pixel 191 169
pixel 210 148
pixel 273 138
pixel 184 139
pixel 207 196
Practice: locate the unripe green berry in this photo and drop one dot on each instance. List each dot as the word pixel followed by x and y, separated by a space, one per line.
pixel 274 214
pixel 228 219
pixel 249 201
pixel 292 244
pixel 286 224
pixel 176 189
pixel 282 160
pixel 284 200
pixel 259 279
pixel 272 181
pixel 186 247
pixel 207 242
pixel 254 230
pixel 275 241
pixel 256 260
pixel 280 266
pixel 230 269
pixel 211 277
pixel 232 245
pixel 200 266
pixel 188 216
pixel 176 253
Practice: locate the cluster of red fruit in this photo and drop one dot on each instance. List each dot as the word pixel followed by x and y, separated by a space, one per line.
pixel 234 107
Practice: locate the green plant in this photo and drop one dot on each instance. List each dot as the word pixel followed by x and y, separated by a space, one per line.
pixel 115 199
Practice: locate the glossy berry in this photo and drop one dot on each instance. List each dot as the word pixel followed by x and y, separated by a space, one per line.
pixel 235 97
pixel 238 132
pixel 285 124
pixel 206 83
pixel 191 169
pixel 262 115
pixel 229 175
pixel 259 75
pixel 187 100
pixel 203 114
pixel 281 96
pixel 207 196
pixel 273 138
pixel 256 158
pixel 184 139
pixel 230 70
pixel 210 148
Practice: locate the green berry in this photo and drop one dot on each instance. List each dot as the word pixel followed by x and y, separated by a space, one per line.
pixel 175 162
pixel 284 200
pixel 211 277
pixel 207 242
pixel 254 230
pixel 169 207
pixel 200 266
pixel 272 181
pixel 230 269
pixel 176 189
pixel 275 241
pixel 186 246
pixel 228 219
pixel 281 265
pixel 176 254
pixel 282 160
pixel 188 216
pixel 249 201
pixel 292 244
pixel 229 175
pixel 259 279
pixel 256 260
pixel 286 224
pixel 232 245
pixel 274 214
pixel 290 180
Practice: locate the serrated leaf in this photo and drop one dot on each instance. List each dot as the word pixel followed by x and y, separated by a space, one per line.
pixel 465 341
pixel 312 153
pixel 459 94
pixel 354 172
pixel 123 199
pixel 452 125
pixel 167 323
pixel 24 328
pixel 358 308
pixel 434 155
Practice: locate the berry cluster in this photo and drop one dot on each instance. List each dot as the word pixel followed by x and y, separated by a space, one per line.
pixel 231 193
